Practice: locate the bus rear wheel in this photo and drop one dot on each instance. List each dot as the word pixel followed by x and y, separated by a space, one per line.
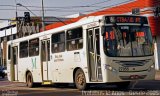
pixel 80 80
pixel 29 80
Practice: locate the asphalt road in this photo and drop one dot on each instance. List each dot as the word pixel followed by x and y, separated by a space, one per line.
pixel 143 88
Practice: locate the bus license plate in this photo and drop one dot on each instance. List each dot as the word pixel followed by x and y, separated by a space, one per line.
pixel 123 69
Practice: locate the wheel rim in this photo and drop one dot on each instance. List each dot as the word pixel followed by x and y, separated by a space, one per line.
pixel 80 79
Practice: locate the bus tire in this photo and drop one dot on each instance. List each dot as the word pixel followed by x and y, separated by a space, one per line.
pixel 29 80
pixel 80 80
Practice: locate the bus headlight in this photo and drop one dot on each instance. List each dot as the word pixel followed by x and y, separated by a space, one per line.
pixel 150 68
pixel 108 67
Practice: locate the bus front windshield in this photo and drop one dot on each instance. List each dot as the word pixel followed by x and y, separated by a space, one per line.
pixel 127 41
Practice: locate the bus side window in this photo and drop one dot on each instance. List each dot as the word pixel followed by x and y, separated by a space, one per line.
pixel 23 49
pixel 58 42
pixel 34 47
pixel 74 39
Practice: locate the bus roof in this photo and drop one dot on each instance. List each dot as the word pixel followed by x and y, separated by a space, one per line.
pixel 79 23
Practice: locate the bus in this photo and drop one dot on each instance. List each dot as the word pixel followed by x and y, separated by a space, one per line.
pixel 107 49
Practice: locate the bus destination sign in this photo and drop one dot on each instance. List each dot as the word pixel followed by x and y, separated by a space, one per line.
pixel 126 19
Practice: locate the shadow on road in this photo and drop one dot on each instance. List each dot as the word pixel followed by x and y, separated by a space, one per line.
pixel 70 89
pixel 135 86
pixel 3 79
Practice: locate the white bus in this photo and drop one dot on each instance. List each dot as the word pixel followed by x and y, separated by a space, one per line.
pixel 97 49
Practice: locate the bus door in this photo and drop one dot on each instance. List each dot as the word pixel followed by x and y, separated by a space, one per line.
pixel 45 57
pixel 15 62
pixel 95 72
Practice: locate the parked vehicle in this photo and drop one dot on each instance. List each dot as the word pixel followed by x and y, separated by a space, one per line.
pixel 3 71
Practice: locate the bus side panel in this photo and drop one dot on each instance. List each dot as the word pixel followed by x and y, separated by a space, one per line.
pixel 74 60
pixel 22 65
pixel 53 69
pixel 9 70
pixel 62 67
pixel 31 64
pixel 36 68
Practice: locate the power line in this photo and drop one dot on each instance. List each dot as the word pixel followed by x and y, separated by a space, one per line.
pixel 99 3
pixel 108 6
pixel 51 7
pixel 83 6
pixel 8 5
pixel 45 10
pixel 66 10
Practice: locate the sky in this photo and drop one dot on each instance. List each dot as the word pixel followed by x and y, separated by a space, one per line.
pixel 57 8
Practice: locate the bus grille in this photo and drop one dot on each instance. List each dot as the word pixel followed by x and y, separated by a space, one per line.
pixel 132 63
pixel 129 77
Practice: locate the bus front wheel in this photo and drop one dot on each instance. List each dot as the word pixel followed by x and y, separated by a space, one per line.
pixel 29 80
pixel 80 80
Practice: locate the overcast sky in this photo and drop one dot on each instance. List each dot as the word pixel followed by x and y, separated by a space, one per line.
pixel 54 7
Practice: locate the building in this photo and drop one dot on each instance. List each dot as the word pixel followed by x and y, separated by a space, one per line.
pixel 12 29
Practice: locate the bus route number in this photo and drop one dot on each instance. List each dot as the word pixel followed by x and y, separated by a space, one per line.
pixel 123 69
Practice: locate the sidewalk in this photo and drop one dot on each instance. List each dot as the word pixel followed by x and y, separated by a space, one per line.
pixel 157 77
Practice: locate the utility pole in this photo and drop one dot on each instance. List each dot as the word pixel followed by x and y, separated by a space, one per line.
pixel 43 25
pixel 12 68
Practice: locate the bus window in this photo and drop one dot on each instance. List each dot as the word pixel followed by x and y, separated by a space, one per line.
pixel 110 35
pixel 135 41
pixel 140 36
pixel 23 49
pixel 74 39
pixel 45 51
pixel 110 41
pixel 34 47
pixel 58 42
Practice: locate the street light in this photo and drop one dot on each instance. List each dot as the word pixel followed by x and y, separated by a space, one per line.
pixel 19 4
